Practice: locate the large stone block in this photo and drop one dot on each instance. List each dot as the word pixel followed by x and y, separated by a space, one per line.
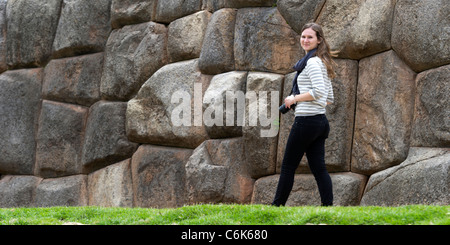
pixel 421 33
pixel 133 54
pixel 3 65
pixel 111 186
pixel 217 53
pixel 431 126
pixel 74 80
pixel 384 112
pixel 298 13
pixel 158 175
pixel 339 142
pixel 18 191
pixel 217 172
pixel 347 189
pixel 31 30
pixel 20 102
pixel 170 10
pixel 261 135
pixel 59 139
pixel 83 27
pixel 186 36
pixel 149 114
pixel 224 92
pixel 64 191
pixel 129 12
pixel 357 28
pixel 214 5
pixel 423 178
pixel 105 141
pixel 264 41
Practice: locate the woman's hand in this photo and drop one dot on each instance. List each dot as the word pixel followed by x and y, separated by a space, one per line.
pixel 290 100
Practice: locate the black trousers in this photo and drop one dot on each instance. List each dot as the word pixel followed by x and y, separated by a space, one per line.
pixel 308 135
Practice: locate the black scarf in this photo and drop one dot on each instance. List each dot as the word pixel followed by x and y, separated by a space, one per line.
pixel 301 64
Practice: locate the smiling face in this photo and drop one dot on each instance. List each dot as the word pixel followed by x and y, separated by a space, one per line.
pixel 309 40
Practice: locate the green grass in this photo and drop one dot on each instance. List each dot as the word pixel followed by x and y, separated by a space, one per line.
pixel 229 215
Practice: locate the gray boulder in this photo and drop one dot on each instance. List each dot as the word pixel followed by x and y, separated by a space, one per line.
pixel 264 41
pixel 186 36
pixel 431 126
pixel 111 186
pixel 217 172
pixel 19 112
pixel 420 33
pixel 216 101
pixel 298 13
pixel 423 178
pixel 129 12
pixel 83 27
pixel 60 139
pixel 152 116
pixel 105 141
pixel 3 65
pixel 217 53
pixel 170 10
pixel 31 30
pixel 18 191
pixel 260 141
pixel 384 112
pixel 358 28
pixel 158 175
pixel 74 80
pixel 133 53
pixel 64 191
pixel 214 5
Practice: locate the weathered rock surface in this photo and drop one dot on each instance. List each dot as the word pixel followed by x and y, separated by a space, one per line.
pixel 217 53
pixel 64 191
pixel 31 29
pixel 423 178
pixel 18 190
pixel 217 172
pixel 158 175
pixel 3 65
pixel 384 112
pixel 421 33
pixel 59 139
pixel 129 12
pixel 260 149
pixel 347 189
pixel 357 28
pixel 111 186
pixel 170 10
pixel 291 9
pixel 264 42
pixel 74 80
pixel 186 36
pixel 149 114
pixel 214 5
pixel 431 125
pixel 219 123
pixel 19 112
pixel 83 27
pixel 133 54
pixel 105 140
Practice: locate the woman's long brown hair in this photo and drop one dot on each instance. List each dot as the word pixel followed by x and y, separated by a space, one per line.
pixel 323 49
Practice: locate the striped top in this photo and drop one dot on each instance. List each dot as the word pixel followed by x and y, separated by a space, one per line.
pixel 314 79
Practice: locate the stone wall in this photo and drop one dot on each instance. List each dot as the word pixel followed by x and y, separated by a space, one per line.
pixel 86 88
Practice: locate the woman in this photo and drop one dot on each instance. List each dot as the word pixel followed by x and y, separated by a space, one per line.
pixel 312 91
